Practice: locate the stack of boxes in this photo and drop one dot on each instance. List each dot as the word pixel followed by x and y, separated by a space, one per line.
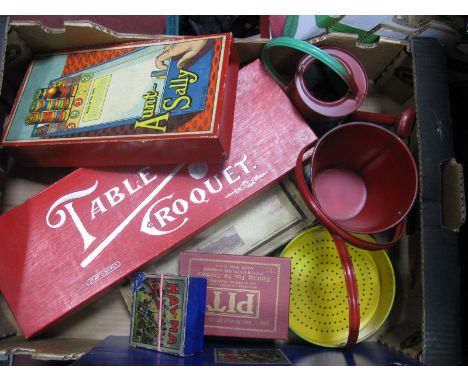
pixel 98 225
pixel 68 245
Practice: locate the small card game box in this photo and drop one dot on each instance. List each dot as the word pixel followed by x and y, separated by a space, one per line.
pixel 168 313
pixel 78 237
pixel 163 101
pixel 247 296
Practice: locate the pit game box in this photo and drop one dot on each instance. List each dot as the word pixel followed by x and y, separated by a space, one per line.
pixel 247 296
pixel 129 104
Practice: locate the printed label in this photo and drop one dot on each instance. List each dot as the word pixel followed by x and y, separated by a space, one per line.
pixel 162 215
pixel 246 296
pixel 96 99
pixel 233 302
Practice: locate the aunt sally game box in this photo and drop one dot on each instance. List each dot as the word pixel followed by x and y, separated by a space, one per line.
pixel 129 104
pixel 72 241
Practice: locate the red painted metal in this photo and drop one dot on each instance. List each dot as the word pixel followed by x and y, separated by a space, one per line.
pixel 385 165
pixel 403 122
pixel 322 115
pixel 377 168
pixel 352 289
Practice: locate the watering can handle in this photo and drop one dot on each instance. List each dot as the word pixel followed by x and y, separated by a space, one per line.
pixel 328 223
pixel 309 49
pixel 352 289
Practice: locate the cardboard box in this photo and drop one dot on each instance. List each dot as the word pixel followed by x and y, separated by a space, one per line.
pixel 128 104
pixel 168 313
pixel 425 321
pixel 247 296
pixel 92 228
pixel 432 285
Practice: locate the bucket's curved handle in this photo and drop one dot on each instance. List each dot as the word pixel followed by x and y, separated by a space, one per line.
pixel 328 223
pixel 312 50
pixel 352 289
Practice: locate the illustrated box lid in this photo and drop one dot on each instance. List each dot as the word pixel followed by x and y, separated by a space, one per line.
pixel 127 104
pixel 168 313
pixel 67 244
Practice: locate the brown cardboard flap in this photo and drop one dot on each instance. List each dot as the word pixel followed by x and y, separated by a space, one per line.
pixel 396 81
pixel 402 330
pixel 47 349
pixel 375 57
pixel 453 195
pixel 249 50
pixel 75 34
pixel 405 338
pixel 412 21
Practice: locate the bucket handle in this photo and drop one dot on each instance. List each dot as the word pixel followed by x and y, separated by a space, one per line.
pixel 311 50
pixel 328 223
pixel 354 321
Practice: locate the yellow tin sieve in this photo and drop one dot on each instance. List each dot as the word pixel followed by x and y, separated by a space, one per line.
pixel 319 311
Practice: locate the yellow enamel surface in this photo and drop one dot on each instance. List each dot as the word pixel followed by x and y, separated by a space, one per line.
pixel 319 301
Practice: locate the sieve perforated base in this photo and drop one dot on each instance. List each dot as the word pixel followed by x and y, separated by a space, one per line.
pixel 319 310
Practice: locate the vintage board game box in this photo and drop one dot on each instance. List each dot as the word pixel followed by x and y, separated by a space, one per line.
pixel 168 313
pixel 72 241
pixel 128 104
pixel 247 296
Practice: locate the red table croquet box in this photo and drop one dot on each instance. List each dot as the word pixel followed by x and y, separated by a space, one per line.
pixel 84 233
pixel 156 102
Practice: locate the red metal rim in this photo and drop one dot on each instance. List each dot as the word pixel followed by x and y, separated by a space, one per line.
pixel 347 104
pixel 328 223
pixel 401 145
